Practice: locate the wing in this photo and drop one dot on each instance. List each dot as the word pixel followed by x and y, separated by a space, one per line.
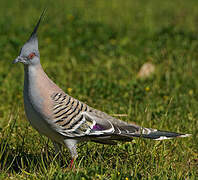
pixel 68 116
pixel 73 118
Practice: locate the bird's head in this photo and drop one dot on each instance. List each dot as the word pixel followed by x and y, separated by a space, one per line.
pixel 29 54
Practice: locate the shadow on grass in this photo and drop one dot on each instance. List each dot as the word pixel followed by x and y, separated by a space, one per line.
pixel 17 160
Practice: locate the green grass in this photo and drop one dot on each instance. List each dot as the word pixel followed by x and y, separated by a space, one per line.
pixel 94 50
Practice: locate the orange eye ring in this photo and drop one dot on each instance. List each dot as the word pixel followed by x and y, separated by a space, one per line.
pixel 31 55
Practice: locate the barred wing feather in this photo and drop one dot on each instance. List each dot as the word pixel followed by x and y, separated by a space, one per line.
pixel 73 118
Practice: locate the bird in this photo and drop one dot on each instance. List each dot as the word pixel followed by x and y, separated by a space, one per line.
pixel 66 120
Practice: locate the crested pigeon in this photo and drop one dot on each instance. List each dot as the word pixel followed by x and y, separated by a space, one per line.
pixel 66 120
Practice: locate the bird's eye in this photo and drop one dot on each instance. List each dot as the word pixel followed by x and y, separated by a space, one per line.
pixel 31 55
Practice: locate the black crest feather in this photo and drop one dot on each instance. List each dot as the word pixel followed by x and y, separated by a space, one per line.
pixel 33 35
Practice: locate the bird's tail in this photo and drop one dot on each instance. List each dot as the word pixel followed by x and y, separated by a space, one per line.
pixel 157 134
pixel 114 129
pixel 150 133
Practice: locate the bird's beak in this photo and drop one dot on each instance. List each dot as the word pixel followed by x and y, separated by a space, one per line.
pixel 18 59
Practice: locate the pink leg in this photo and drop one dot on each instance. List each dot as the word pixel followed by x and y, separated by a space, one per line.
pixel 72 164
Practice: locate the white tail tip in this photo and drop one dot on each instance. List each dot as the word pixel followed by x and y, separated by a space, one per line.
pixel 164 137
pixel 185 135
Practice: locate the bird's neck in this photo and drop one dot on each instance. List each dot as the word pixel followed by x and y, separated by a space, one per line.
pixel 32 73
pixel 37 80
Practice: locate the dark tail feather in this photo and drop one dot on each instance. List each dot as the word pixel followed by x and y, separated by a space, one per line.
pixel 121 131
pixel 157 135
pixel 110 142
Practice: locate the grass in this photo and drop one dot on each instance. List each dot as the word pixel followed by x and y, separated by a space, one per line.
pixel 93 50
